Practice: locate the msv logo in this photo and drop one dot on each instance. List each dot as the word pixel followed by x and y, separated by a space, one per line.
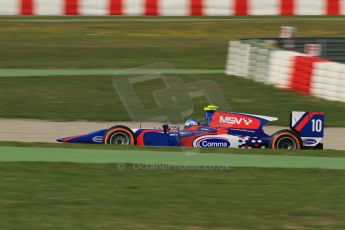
pixel 235 120
pixel 211 142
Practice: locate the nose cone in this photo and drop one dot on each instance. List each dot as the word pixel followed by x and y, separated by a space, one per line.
pixel 60 140
pixel 67 139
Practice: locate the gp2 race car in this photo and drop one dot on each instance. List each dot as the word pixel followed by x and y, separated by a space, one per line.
pixel 220 130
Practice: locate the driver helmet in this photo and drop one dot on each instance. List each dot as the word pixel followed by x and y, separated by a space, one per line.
pixel 191 122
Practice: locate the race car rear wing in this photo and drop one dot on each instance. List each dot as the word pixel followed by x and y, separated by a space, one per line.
pixel 309 126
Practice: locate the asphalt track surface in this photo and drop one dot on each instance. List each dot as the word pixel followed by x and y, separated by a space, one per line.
pixel 48 131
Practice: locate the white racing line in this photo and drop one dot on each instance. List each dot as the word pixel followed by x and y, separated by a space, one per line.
pixel 48 131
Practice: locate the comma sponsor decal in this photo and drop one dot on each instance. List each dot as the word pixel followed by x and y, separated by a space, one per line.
pixel 97 139
pixel 211 142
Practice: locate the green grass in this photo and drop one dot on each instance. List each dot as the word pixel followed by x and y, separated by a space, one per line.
pixel 90 196
pixel 94 98
pixel 311 153
pixel 131 43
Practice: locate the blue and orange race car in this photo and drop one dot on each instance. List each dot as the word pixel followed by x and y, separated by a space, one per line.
pixel 220 130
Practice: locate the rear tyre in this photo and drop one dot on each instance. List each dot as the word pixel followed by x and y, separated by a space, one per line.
pixel 119 135
pixel 285 139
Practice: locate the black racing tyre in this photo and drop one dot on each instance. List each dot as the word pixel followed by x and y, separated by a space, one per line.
pixel 319 146
pixel 119 135
pixel 285 139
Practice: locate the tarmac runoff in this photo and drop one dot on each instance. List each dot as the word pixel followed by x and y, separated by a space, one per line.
pixel 27 130
pixel 48 131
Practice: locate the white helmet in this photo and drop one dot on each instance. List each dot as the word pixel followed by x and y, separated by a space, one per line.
pixel 191 122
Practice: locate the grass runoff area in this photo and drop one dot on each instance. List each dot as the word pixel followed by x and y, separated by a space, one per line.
pixel 72 43
pixel 59 194
pixel 87 196
pixel 128 42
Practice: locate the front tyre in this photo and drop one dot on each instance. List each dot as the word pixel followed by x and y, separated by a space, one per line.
pixel 119 135
pixel 285 139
